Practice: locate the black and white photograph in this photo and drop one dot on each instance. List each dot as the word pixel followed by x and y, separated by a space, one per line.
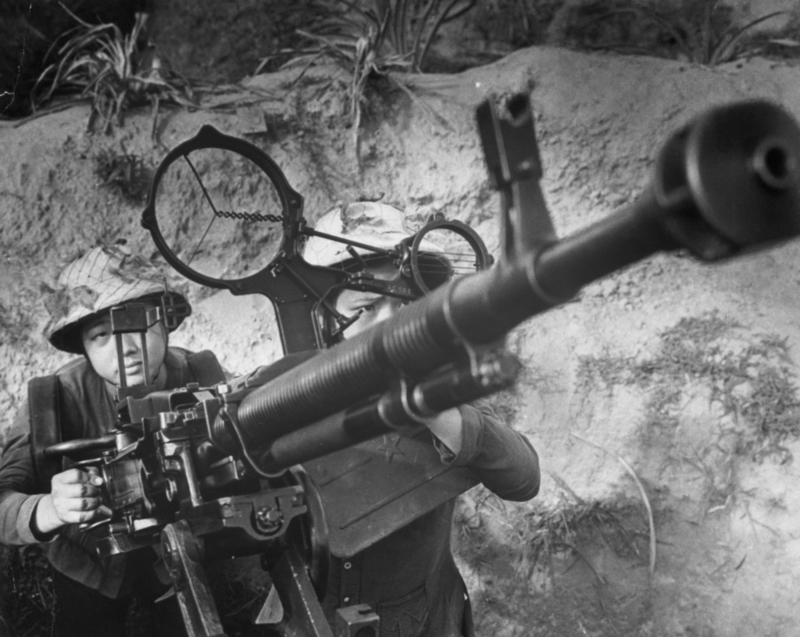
pixel 399 318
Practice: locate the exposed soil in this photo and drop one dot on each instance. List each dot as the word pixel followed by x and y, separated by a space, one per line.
pixel 675 374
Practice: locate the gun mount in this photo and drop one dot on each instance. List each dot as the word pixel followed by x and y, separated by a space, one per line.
pixel 213 472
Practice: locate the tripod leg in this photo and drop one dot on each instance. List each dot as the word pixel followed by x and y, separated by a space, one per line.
pixel 197 605
pixel 302 613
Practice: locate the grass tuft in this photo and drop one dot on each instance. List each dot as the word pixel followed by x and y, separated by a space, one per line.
pixel 699 31
pixel 125 172
pixel 755 385
pixel 532 536
pixel 650 518
pixel 114 70
pixel 379 39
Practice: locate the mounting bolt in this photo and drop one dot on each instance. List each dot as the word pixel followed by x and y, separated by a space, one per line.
pixel 171 489
pixel 268 519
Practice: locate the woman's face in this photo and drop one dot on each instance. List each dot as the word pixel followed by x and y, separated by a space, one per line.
pixel 101 350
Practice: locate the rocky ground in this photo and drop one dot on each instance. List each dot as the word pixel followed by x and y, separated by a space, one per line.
pixel 666 390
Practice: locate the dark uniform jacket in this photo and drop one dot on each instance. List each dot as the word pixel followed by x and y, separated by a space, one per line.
pixel 409 577
pixel 87 412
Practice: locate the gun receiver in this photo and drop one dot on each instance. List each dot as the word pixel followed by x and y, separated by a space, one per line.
pixel 213 471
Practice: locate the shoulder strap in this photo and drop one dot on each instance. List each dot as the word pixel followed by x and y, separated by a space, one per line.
pixel 206 368
pixel 44 397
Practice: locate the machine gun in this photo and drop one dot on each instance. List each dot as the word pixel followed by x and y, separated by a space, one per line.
pixel 239 468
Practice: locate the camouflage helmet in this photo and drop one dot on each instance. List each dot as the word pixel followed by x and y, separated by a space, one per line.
pixel 369 222
pixel 104 277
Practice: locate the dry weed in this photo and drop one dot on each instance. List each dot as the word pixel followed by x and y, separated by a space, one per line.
pixel 755 385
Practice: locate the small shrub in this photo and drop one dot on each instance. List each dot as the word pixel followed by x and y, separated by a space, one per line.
pixel 393 33
pixel 516 23
pixel 700 31
pixel 115 71
pixel 385 38
pixel 125 172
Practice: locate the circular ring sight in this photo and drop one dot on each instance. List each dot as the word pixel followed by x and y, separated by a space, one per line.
pixel 461 251
pixel 220 211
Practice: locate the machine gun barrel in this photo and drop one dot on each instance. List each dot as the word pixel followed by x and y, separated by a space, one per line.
pixel 729 182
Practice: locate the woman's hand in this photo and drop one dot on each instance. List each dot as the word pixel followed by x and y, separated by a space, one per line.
pixel 447 426
pixel 74 498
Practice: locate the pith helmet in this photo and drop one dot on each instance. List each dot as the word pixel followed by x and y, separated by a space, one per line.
pixel 102 278
pixel 369 222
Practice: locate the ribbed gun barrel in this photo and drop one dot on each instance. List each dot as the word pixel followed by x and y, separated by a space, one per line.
pixel 727 183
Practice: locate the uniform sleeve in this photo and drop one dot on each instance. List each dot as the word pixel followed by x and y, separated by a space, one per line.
pixel 502 459
pixel 18 499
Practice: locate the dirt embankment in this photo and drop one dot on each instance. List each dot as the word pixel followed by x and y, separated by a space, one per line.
pixel 675 375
